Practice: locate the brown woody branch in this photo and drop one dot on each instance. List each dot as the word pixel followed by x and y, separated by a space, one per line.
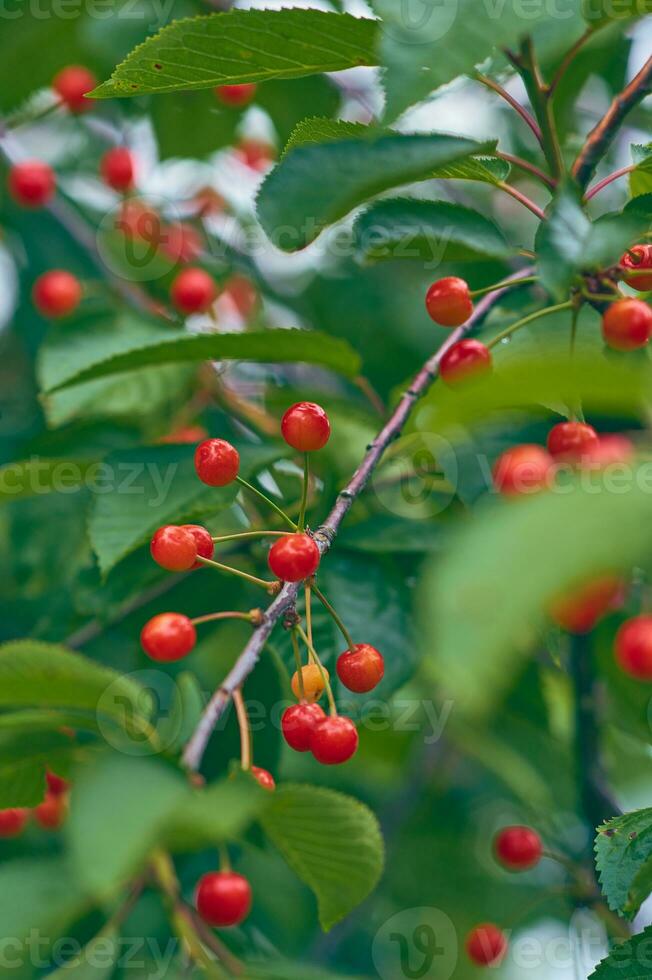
pixel 324 536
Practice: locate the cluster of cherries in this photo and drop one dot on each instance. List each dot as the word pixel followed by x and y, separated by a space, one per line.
pixel 50 814
pixel 626 324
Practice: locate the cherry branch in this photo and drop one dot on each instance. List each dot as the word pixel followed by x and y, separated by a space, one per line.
pixel 601 137
pixel 325 535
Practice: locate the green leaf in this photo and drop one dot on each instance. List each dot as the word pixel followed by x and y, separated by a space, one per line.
pixel 623 848
pixel 38 475
pixel 562 241
pixel 601 12
pixel 285 970
pixel 191 124
pixel 487 170
pixel 97 960
pixel 631 960
pixel 331 841
pixel 243 46
pixel 433 231
pixel 640 179
pixel 316 129
pixel 24 757
pixel 219 813
pixel 294 208
pixel 394 535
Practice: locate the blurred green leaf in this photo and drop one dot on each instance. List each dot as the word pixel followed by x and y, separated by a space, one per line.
pixel 38 475
pixel 386 533
pixel 640 179
pixel 284 970
pixel 562 241
pixel 191 124
pixel 331 841
pixel 487 170
pixel 630 960
pixel 600 12
pixel 24 757
pixel 219 813
pixel 623 848
pixel 97 960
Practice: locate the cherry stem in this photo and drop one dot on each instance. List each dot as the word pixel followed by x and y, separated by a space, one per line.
pixel 324 677
pixel 212 617
pixel 528 167
pixel 225 860
pixel 308 600
pixel 304 494
pixel 529 319
pixel 245 535
pixel 335 616
pixel 270 503
pixel 592 191
pixel 268 586
pixel 503 285
pixel 522 198
pixel 568 61
pixel 245 730
pixel 297 659
pixel 515 104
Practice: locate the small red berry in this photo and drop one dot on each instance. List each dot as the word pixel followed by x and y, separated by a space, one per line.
pixel 255 154
pixel 579 611
pixel 305 427
pixel 57 293
pixel 611 448
pixel 298 724
pixel 243 293
pixel 638 258
pixel 193 291
pixel 264 777
pixel 204 544
pixel 334 740
pixel 223 898
pixel 32 183
pixel 236 96
pixel 361 668
pixel 186 433
pixel 52 812
pixel 72 84
pixel 217 462
pixel 168 637
pixel 486 945
pixel 57 785
pixel 465 359
pixel 12 821
pixel 570 442
pixel 449 302
pixel 634 648
pixel 294 557
pixel 182 243
pixel 314 682
pixel 138 220
pixel 627 324
pixel 174 548
pixel 518 848
pixel 117 168
pixel 522 470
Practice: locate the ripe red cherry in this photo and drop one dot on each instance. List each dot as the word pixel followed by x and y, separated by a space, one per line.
pixel 186 433
pixel 299 723
pixel 449 302
pixel 52 812
pixel 294 557
pixel 182 243
pixel 334 740
pixel 193 291
pixel 627 324
pixel 611 448
pixel 236 96
pixel 217 462
pixel 640 259
pixel 361 668
pixel 264 777
pixel 518 848
pixel 634 648
pixel 174 548
pixel 305 427
pixel 523 469
pixel 204 544
pixel 486 945
pixel 570 442
pixel 579 611
pixel 12 821
pixel 139 220
pixel 223 898
pixel 57 785
pixel 117 168
pixel 72 84
pixel 32 183
pixel 168 637
pixel 57 293
pixel 465 359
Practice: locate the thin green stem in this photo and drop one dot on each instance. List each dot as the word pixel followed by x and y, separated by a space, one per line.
pixel 528 67
pixel 308 600
pixel 335 616
pixel 213 617
pixel 245 535
pixel 297 660
pixel 270 503
pixel 225 860
pixel 529 319
pixel 268 586
pixel 304 493
pixel 522 198
pixel 509 284
pixel 246 743
pixel 324 676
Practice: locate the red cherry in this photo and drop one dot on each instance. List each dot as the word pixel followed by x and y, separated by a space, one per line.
pixel 182 243
pixel 627 324
pixel 168 637
pixel 243 294
pixel 255 154
pixel 174 548
pixel 294 557
pixel 32 183
pixel 449 302
pixel 334 740
pixel 223 898
pixel 611 448
pixel 57 785
pixel 522 470
pixel 640 259
pixel 634 648
pixel 486 944
pixel 139 220
pixel 72 84
pixel 193 291
pixel 186 433
pixel 204 544
pixel 465 359
pixel 518 848
pixel 579 611
pixel 117 168
pixel 361 668
pixel 299 723
pixel 305 427
pixel 57 293
pixel 52 812
pixel 217 462
pixel 236 96
pixel 569 442
pixel 12 821
pixel 264 777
